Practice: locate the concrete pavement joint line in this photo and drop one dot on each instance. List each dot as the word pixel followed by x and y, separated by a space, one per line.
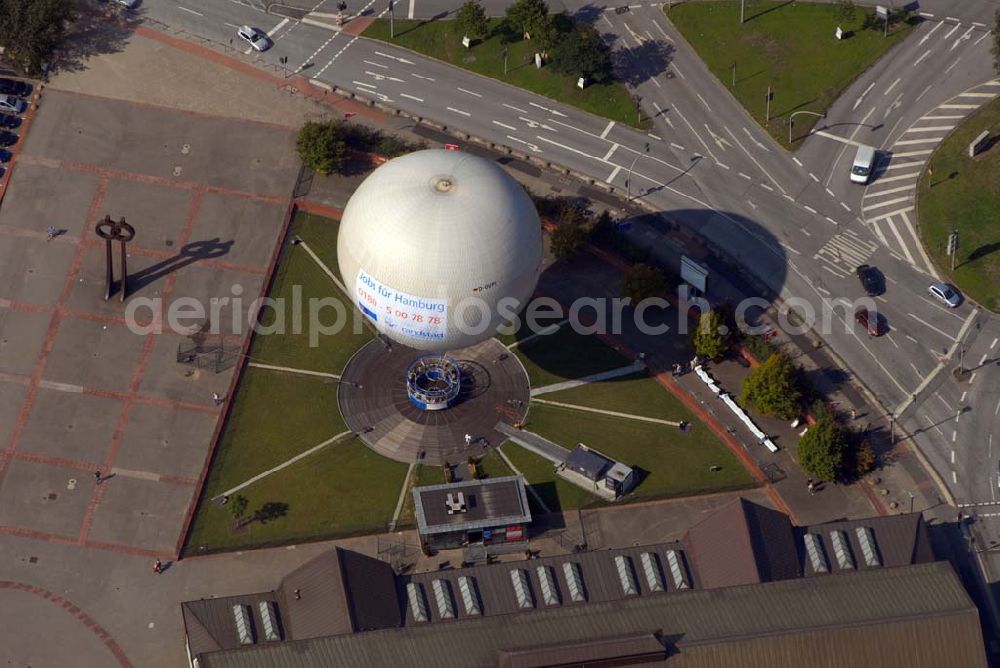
pixel 288 369
pixel 285 464
pixel 402 496
pixel 933 374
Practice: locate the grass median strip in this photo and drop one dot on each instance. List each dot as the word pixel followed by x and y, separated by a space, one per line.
pixel 789 48
pixel 443 40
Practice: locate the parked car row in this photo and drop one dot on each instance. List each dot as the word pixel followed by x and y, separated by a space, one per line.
pixel 12 105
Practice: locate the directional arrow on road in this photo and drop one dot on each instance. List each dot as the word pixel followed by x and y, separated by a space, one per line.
pixel 857 103
pixel 721 142
pixel 381 77
pixel 402 60
pixel 532 147
pixel 892 107
pixel 535 124
pixel 551 111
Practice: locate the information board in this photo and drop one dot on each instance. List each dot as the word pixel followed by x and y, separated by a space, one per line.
pixel 396 311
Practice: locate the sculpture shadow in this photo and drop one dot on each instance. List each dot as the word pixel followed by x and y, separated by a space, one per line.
pixel 190 253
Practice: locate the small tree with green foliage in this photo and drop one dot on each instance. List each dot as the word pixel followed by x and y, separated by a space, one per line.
pixel 322 147
pixel 582 52
pixel 995 49
pixel 472 20
pixel 568 239
pixel 31 30
pixel 845 10
pixel 238 507
pixel 526 16
pixel 864 458
pixel 642 281
pixel 711 338
pixel 772 389
pixel 823 450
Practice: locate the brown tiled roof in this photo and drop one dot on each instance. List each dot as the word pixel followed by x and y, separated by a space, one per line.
pixel 742 543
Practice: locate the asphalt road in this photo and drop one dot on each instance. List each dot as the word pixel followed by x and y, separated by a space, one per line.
pixel 795 221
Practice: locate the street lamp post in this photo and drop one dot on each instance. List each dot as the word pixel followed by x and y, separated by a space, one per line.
pixel 628 179
pixel 791 121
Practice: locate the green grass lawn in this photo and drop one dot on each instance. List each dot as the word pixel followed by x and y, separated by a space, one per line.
pixel 566 355
pixel 637 394
pixel 557 494
pixel 443 40
pixel 299 273
pixel 323 499
pixel 673 463
pixel 788 46
pixel 969 202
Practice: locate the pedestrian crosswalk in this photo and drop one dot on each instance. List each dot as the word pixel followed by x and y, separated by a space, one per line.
pixel 889 201
pixel 844 252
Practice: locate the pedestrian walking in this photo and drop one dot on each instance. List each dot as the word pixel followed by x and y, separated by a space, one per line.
pixel 811 486
pixel 51 233
pixel 157 567
pixel 854 413
pixel 97 477
pixel 216 398
pixel 468 440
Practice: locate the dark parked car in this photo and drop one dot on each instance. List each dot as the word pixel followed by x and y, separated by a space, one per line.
pixel 9 121
pixel 14 87
pixel 7 138
pixel 870 321
pixel 4 155
pixel 871 280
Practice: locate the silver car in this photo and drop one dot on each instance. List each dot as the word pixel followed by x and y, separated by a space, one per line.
pixel 11 103
pixel 255 37
pixel 945 294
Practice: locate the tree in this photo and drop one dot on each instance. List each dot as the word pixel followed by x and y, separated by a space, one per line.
pixel 864 458
pixel 995 49
pixel 643 281
pixel 526 16
pixel 711 338
pixel 31 30
pixel 582 52
pixel 772 389
pixel 322 147
pixel 823 450
pixel 238 507
pixel 472 20
pixel 568 239
pixel 845 10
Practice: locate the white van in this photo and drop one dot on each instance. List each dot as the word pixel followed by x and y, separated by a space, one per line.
pixel 864 161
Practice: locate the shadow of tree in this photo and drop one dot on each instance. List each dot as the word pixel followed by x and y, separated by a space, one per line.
pixel 94 33
pixel 637 65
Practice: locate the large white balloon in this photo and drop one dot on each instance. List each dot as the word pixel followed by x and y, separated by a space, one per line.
pixel 439 248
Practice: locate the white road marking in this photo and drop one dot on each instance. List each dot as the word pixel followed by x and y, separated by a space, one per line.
pixel 911 154
pixel 953 455
pixel 424 78
pixel 723 165
pixel 930 128
pixel 924 92
pixel 754 140
pixel 746 176
pixel 813 177
pixel 759 166
pixel 766 187
pixel 418 99
pixel 955 117
pixel 952 66
pixel 610 125
pixel 857 103
pixel 902 244
pixel 607 156
pixel 891 86
pixel 845 207
pixel 997 411
pixel 613 174
pixel 551 111
pixel 982 361
pixel 469 92
pixel 830 193
pixel 191 11
pixel 650 134
pixel 796 161
pixel 458 111
pixel 952 31
pixel 844 149
pixel 882 193
pixel 509 106
pixel 367 85
pixel 888 202
pixel 397 58
pixel 532 147
pixel 665 35
pixel 959 106
pixel 993 345
pixel 703 102
pixel 677 146
pixel 930 326
pixel 695 133
pixel 982 95
pixel 281 24
pixel 898 178
pixel 921 58
pixel 505 126
pixel 720 141
pixel 964 36
pixel 409 14
pixel 809 208
pixel 828 219
pixel 924 140
pixel 961 399
pixel 928 35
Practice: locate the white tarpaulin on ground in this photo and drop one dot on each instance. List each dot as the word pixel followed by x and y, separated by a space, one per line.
pixel 736 409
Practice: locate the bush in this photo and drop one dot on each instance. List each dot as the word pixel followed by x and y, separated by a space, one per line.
pixel 772 389
pixel 526 16
pixel 823 450
pixel 322 147
pixel 864 458
pixel 759 347
pixel 581 52
pixel 568 239
pixel 643 281
pixel 471 18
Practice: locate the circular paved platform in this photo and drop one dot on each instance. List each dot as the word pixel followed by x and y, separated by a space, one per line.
pixel 494 388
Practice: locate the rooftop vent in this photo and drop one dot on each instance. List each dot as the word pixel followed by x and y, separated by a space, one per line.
pixel 626 575
pixel 519 578
pixel 418 602
pixel 455 503
pixel 866 537
pixel 574 582
pixel 547 580
pixel 651 569
pixel 445 603
pixel 241 614
pixel 842 550
pixel 817 557
pixel 470 595
pixel 268 621
pixel 678 573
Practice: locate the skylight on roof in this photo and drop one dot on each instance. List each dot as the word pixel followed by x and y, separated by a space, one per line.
pixel 442 595
pixel 817 557
pixel 626 575
pixel 866 537
pixel 519 578
pixel 677 571
pixel 418 603
pixel 268 621
pixel 842 550
pixel 470 595
pixel 651 569
pixel 574 582
pixel 241 614
pixel 547 580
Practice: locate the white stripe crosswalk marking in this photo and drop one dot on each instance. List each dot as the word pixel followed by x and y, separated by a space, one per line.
pixel 978 95
pixel 959 106
pixel 899 238
pixel 883 216
pixel 928 265
pixel 925 140
pixel 878 233
pixel 910 154
pixel 899 178
pixel 933 128
pixel 943 118
pixel 882 193
pixel 888 202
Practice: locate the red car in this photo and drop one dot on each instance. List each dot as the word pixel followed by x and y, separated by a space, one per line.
pixel 870 321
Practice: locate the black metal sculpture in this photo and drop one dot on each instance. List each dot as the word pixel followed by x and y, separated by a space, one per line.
pixel 115 230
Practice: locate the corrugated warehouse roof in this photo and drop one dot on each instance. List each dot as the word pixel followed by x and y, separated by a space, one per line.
pixel 910 616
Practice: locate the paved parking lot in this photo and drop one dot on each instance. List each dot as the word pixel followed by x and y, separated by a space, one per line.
pixel 81 392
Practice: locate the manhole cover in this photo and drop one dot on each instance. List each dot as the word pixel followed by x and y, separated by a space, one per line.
pixel 186 149
pixel 71 484
pixel 177 171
